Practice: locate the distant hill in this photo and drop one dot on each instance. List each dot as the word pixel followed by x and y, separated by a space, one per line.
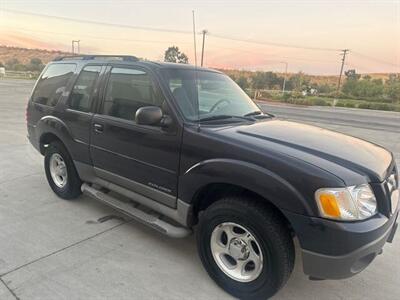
pixel 24 55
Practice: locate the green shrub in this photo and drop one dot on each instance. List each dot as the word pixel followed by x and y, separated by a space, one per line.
pixel 349 104
pixel 340 104
pixel 381 106
pixel 265 94
pixel 364 105
pixel 320 102
pixel 377 106
pixel 297 95
pixel 286 96
pixel 302 102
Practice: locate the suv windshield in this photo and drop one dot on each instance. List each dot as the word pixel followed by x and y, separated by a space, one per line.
pixel 208 95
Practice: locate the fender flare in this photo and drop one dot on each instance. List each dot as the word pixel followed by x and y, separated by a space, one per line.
pixel 57 127
pixel 246 175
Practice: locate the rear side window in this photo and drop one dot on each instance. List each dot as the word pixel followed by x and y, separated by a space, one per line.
pixel 127 91
pixel 52 84
pixel 80 98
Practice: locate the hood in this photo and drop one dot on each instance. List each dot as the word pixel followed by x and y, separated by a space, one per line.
pixel 304 141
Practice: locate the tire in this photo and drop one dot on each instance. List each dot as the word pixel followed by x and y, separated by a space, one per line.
pixel 70 188
pixel 272 239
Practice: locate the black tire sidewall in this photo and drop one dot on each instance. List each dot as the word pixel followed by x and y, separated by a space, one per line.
pixel 72 188
pixel 269 280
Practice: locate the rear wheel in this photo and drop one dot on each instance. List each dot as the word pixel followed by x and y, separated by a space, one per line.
pixel 245 247
pixel 60 172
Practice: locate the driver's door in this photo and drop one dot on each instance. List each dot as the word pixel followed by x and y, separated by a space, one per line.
pixel 142 158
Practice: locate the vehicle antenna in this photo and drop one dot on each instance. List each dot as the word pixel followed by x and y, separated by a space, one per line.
pixel 195 72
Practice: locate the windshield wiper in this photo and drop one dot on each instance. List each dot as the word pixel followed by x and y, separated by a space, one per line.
pixel 259 113
pixel 253 113
pixel 223 117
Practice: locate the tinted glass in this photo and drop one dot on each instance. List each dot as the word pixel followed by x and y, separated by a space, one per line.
pixel 52 83
pixel 80 98
pixel 127 91
pixel 207 94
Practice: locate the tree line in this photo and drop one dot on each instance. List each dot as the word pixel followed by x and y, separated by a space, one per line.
pixel 355 85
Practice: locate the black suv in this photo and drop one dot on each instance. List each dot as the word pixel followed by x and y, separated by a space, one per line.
pixel 192 150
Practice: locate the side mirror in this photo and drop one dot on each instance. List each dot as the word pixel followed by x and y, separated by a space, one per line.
pixel 148 115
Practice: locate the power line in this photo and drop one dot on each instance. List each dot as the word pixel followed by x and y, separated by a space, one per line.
pixel 279 58
pixel 95 37
pixel 375 59
pixel 88 36
pixel 272 43
pixel 165 30
pixel 189 32
pixel 97 22
pixel 361 69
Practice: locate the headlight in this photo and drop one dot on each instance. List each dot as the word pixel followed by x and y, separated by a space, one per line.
pixel 348 204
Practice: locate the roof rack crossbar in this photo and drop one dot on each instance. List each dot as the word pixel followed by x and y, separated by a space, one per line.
pixel 90 57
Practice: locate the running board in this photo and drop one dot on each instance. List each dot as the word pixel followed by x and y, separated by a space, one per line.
pixel 139 215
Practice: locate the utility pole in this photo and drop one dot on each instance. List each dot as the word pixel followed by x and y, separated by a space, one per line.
pixel 202 48
pixel 344 53
pixel 284 78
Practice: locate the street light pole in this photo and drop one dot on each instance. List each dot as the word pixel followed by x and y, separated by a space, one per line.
pixel 284 78
pixel 78 46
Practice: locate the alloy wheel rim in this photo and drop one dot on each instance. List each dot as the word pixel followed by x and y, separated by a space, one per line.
pixel 236 252
pixel 58 170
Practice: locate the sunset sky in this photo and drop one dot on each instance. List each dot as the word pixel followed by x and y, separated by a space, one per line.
pixel 253 35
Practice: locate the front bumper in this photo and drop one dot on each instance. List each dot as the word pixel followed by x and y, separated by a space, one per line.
pixel 337 250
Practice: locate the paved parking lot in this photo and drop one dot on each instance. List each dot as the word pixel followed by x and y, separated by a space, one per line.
pixel 55 249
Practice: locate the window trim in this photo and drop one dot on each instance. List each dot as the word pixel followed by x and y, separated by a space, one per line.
pixel 67 85
pixel 92 94
pixel 155 86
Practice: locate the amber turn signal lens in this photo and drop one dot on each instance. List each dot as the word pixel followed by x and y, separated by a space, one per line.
pixel 329 205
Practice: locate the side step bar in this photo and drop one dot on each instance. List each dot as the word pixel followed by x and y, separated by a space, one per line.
pixel 128 209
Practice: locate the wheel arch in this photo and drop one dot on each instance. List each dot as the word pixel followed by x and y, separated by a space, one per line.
pixel 50 129
pixel 208 181
pixel 46 139
pixel 212 192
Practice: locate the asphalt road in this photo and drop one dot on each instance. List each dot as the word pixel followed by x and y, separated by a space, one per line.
pixel 55 249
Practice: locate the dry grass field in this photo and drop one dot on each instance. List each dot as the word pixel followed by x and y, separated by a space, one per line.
pixel 24 55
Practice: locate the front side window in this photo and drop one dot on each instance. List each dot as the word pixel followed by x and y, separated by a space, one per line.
pixel 80 98
pixel 127 91
pixel 204 94
pixel 52 84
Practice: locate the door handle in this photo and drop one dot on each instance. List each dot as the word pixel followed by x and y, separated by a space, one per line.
pixel 98 128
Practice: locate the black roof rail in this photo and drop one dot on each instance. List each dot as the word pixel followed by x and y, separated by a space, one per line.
pixel 90 57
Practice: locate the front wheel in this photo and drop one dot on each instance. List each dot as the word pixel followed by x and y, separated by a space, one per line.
pixel 245 247
pixel 60 172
